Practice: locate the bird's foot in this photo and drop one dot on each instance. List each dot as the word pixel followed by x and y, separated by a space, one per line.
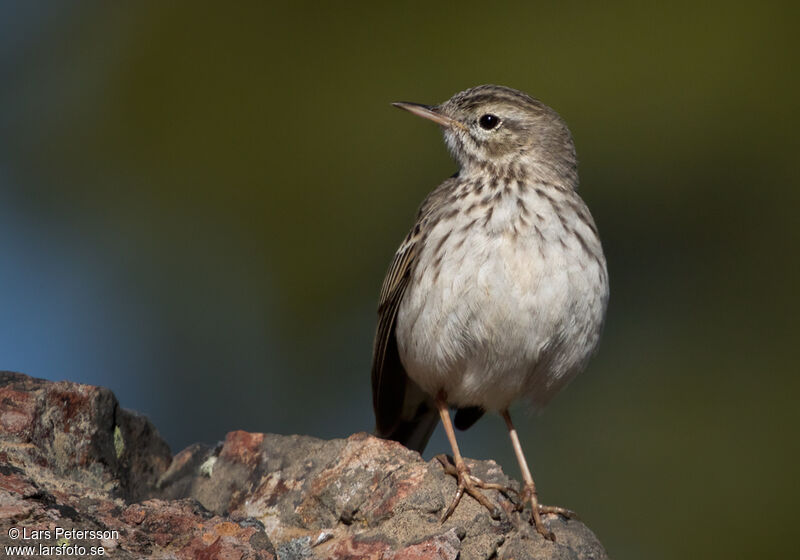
pixel 537 510
pixel 469 484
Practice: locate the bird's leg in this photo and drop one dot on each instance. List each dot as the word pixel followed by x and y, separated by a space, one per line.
pixel 529 491
pixel 466 482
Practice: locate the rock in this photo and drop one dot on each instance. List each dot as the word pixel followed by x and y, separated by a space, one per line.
pixel 71 458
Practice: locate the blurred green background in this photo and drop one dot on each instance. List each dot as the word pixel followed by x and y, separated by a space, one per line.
pixel 197 206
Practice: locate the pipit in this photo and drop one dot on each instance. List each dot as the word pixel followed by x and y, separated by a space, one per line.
pixel 498 292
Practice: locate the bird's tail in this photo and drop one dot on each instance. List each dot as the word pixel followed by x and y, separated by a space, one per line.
pixel 414 432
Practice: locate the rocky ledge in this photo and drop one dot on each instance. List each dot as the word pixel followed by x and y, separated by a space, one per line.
pixel 76 470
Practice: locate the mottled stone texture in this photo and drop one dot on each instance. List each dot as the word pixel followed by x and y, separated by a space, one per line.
pixel 70 457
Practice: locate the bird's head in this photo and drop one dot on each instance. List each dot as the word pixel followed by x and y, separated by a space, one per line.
pixel 502 130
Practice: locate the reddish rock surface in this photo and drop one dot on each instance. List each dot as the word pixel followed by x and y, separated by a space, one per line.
pixel 71 458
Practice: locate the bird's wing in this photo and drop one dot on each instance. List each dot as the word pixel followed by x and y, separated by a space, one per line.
pixel 389 379
pixel 402 411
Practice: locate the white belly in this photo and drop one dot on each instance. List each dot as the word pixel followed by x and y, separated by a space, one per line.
pixel 497 318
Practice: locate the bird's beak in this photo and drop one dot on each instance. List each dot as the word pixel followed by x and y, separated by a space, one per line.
pixel 430 113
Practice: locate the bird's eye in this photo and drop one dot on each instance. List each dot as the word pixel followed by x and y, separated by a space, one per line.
pixel 488 121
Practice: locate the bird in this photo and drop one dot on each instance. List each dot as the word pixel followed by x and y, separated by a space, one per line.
pixel 499 291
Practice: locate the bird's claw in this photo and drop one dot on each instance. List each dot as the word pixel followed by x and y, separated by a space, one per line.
pixel 470 484
pixel 537 510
